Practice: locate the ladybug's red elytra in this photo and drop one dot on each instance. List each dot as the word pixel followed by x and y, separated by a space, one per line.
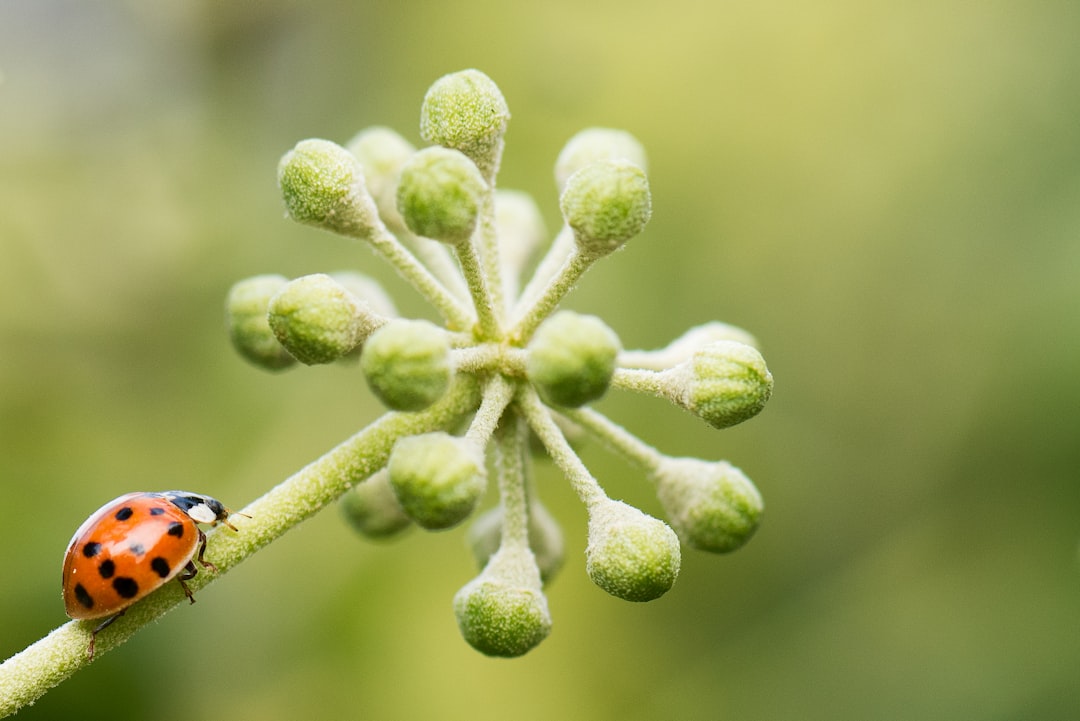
pixel 133 545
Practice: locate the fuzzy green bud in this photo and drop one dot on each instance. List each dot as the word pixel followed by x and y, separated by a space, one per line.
pixel 440 194
pixel 630 554
pixel 317 320
pixel 322 184
pixel 407 364
pixel 606 203
pixel 503 611
pixel 245 316
pixel 594 144
pixel 574 434
pixel 724 383
pixel 712 505
pixel 467 111
pixel 438 478
pixel 571 358
pixel 372 508
pixel 545 538
pixel 381 152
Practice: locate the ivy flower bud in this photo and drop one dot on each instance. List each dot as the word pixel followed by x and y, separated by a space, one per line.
pixel 407 364
pixel 245 316
pixel 438 478
pixel 323 185
pixel 630 554
pixel 466 111
pixel 571 358
pixel 373 509
pixel 724 383
pixel 545 538
pixel 713 506
pixel 317 320
pixel 503 611
pixel 381 152
pixel 439 195
pixel 606 203
pixel 593 144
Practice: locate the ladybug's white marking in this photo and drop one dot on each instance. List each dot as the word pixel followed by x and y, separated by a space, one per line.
pixel 201 513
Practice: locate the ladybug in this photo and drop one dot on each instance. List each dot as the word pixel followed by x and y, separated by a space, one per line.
pixel 133 545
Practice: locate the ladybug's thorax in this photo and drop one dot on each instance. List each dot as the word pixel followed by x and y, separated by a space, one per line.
pixel 201 509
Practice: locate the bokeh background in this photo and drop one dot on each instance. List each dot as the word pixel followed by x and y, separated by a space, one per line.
pixel 887 194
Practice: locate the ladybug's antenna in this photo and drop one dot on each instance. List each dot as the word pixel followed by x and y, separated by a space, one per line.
pixel 228 514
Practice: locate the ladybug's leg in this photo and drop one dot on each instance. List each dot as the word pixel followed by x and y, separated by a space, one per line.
pixel 98 629
pixel 202 550
pixel 186 575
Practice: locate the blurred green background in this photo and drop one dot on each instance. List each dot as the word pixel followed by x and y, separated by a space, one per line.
pixel 886 194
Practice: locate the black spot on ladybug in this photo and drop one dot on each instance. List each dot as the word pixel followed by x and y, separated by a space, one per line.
pixel 157 511
pixel 176 529
pixel 107 568
pixel 83 597
pixel 124 513
pixel 125 586
pixel 184 503
pixel 137 548
pixel 160 566
pixel 91 549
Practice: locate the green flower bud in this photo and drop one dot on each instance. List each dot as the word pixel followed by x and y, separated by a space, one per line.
pixel 545 538
pixel 439 195
pixel 323 185
pixel 466 111
pixel 571 358
pixel 724 383
pixel 683 347
pixel 372 508
pixel 630 554
pixel 503 611
pixel 407 364
pixel 438 478
pixel 713 506
pixel 318 320
pixel 594 144
pixel 245 316
pixel 382 152
pixel 606 203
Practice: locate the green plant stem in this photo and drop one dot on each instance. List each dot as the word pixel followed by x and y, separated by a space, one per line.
pixel 640 380
pixel 27 675
pixel 489 254
pixel 480 290
pixel 491 357
pixel 457 316
pixel 561 248
pixel 543 425
pixel 617 438
pixel 497 395
pixel 439 259
pixel 560 284
pixel 510 449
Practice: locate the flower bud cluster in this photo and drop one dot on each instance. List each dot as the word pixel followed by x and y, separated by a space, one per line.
pixel 523 368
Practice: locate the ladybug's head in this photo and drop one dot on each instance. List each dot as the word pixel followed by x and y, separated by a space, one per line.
pixel 201 509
